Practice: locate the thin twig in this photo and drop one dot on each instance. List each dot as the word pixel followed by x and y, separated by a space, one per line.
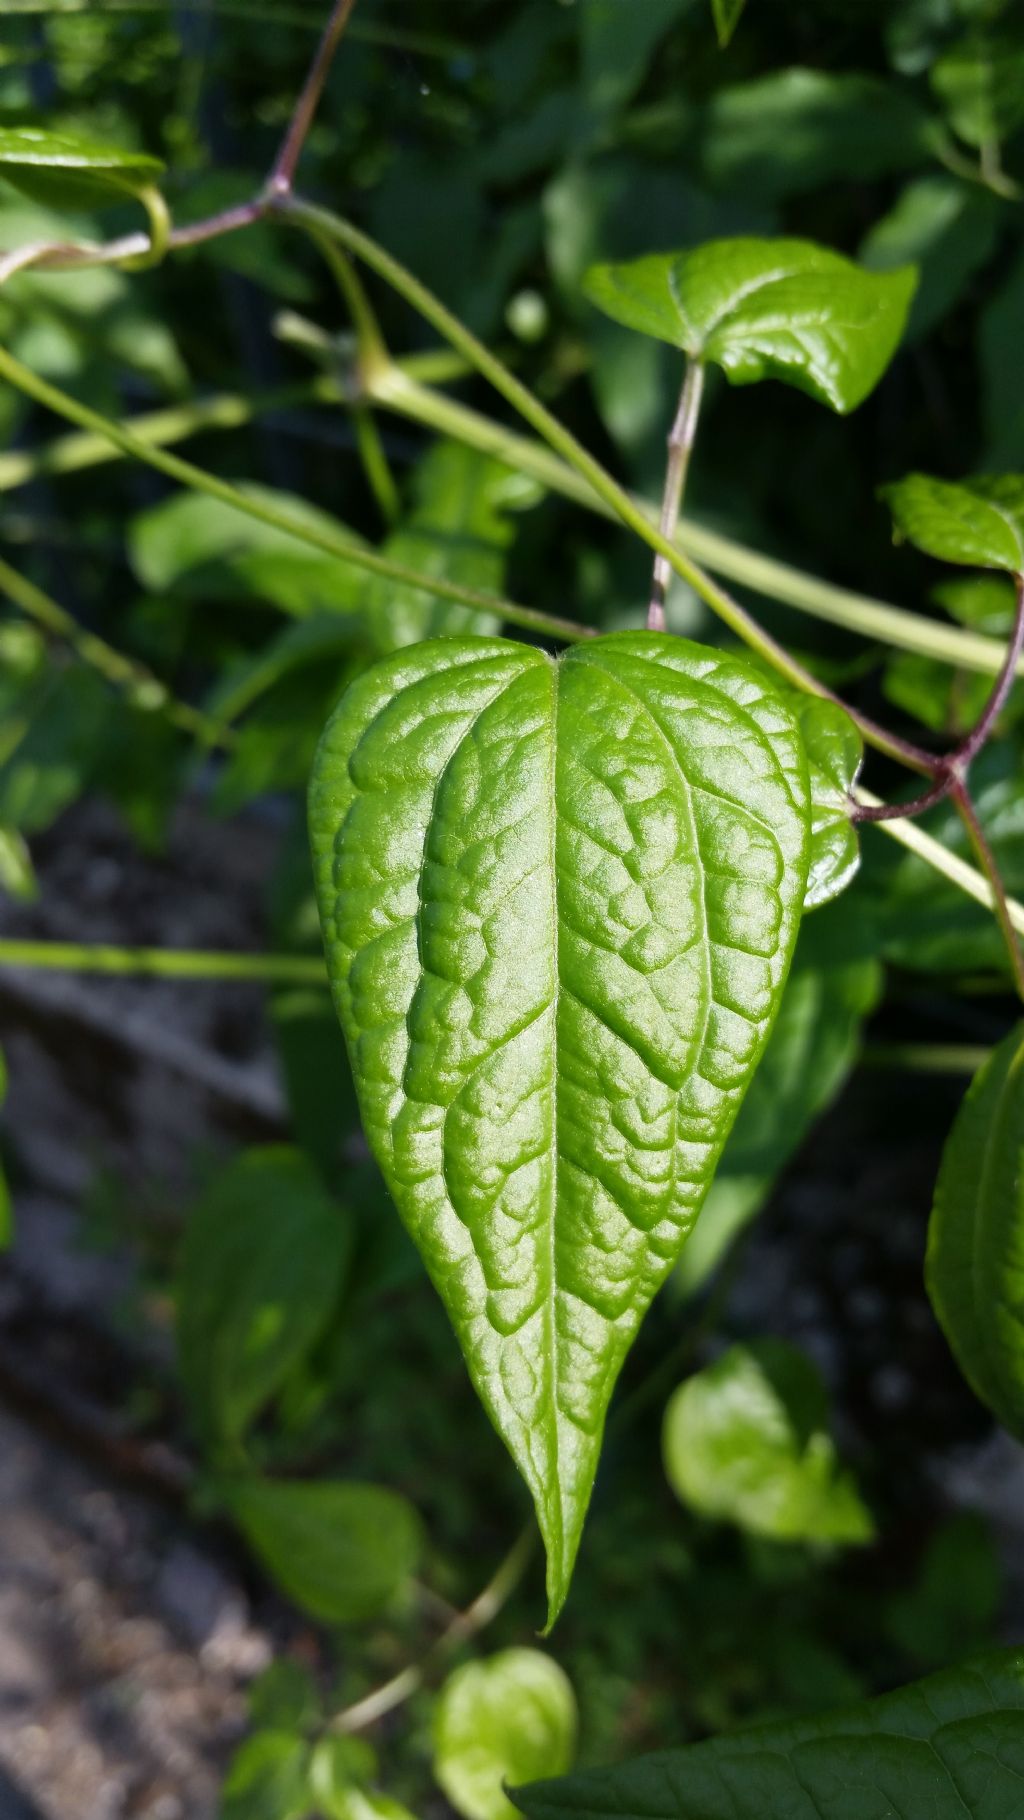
pixel 950 771
pixel 463 1626
pixel 285 165
pixel 989 865
pixel 680 447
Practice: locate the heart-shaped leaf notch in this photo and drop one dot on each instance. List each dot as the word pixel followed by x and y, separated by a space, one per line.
pixel 559 902
pixel 766 309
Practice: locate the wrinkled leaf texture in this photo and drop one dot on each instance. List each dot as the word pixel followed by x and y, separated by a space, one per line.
pixel 559 902
pixel 941 1749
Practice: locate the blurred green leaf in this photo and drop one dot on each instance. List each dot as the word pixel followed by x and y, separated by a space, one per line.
pixel 341 1551
pixel 979 522
pixel 745 1442
pixel 284 1697
pixel 17 873
pixel 998 352
pixel 53 745
pixel 766 309
pixel 62 170
pixel 211 549
pixel 802 129
pixel 617 43
pixel 460 528
pixel 810 1054
pixel 948 229
pixel 952 1607
pixel 975 1261
pixel 726 15
pixel 267 1779
pixel 339 1767
pixel 505 1720
pixel 980 83
pixel 943 1748
pixel 262 1266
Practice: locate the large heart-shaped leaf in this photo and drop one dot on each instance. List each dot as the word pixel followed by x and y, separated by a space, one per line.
pixel 64 170
pixel 942 1749
pixel 766 309
pixel 559 902
pixel 979 521
pixel 509 1719
pixel 975 1268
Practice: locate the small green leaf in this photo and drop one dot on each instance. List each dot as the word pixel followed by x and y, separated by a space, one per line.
pixel 267 1779
pixel 506 1720
pixel 944 1748
pixel 338 1769
pixel 62 170
pixel 262 1265
pixel 284 1698
pixel 210 549
pixel 980 83
pixel 460 529
pixel 17 873
pixel 745 1442
pixel 979 521
pixel 796 130
pixel 559 903
pixel 766 309
pixel 726 15
pixel 341 1551
pixel 947 228
pixel 617 43
pixel 952 1609
pixel 835 753
pixel 975 1262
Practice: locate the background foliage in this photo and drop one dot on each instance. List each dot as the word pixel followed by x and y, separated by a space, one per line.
pixel 499 148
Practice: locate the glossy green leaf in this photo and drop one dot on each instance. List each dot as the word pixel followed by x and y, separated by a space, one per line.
pixel 975 1262
pixel 979 521
pixel 506 1720
pixel 941 1749
pixel 62 170
pixel 796 130
pixel 342 1551
pixel 558 902
pixel 262 1265
pixel 746 1441
pixel 835 753
pixel 726 15
pixel 811 1051
pixel 766 309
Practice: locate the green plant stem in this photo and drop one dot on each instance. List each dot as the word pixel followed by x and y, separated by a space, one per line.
pixel 287 160
pixel 925 1058
pixel 463 1626
pixel 72 453
pixel 924 846
pixel 681 439
pixel 401 390
pixel 124 673
pixel 1001 903
pixel 164 963
pixel 188 475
